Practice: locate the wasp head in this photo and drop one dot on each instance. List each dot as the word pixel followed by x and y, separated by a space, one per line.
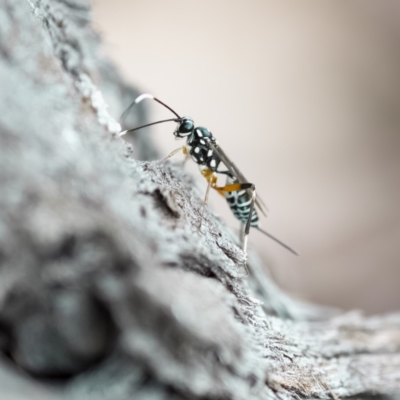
pixel 185 127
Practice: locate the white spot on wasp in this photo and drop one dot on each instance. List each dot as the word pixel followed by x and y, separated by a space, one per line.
pixel 199 134
pixel 213 164
pixel 197 149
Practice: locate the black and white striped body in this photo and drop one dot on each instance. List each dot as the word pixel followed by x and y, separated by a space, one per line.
pixel 198 146
pixel 240 204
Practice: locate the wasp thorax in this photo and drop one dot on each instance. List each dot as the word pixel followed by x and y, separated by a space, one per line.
pixel 203 133
pixel 185 127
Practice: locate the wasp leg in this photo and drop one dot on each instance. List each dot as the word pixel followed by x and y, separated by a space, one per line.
pixel 207 192
pixel 173 153
pixel 241 233
pixel 205 203
pixel 212 181
pixel 187 157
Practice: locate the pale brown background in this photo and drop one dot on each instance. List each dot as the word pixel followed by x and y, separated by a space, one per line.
pixel 304 96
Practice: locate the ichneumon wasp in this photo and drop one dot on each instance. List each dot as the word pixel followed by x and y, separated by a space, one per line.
pixel 205 151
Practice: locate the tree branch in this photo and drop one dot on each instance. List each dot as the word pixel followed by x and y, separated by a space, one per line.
pixel 106 281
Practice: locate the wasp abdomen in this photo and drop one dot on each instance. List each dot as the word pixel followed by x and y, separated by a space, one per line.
pixel 240 204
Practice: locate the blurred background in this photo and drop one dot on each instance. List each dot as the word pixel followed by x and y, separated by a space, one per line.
pixel 304 97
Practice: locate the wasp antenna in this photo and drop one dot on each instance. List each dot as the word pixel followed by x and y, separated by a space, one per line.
pixel 163 104
pixel 141 98
pixel 278 241
pixel 136 101
pixel 144 126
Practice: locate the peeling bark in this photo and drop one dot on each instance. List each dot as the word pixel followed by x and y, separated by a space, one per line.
pixel 106 281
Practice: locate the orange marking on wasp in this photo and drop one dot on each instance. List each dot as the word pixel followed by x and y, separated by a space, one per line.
pixel 212 180
pixel 230 188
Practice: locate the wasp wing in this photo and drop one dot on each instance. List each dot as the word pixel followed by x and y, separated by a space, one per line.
pixel 224 158
pixel 232 168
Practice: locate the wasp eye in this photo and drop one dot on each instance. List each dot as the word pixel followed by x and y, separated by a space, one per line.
pixel 186 125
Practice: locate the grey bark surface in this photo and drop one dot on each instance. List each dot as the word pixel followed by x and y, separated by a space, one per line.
pixel 108 289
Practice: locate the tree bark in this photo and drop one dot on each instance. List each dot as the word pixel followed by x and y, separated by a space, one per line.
pixel 108 287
